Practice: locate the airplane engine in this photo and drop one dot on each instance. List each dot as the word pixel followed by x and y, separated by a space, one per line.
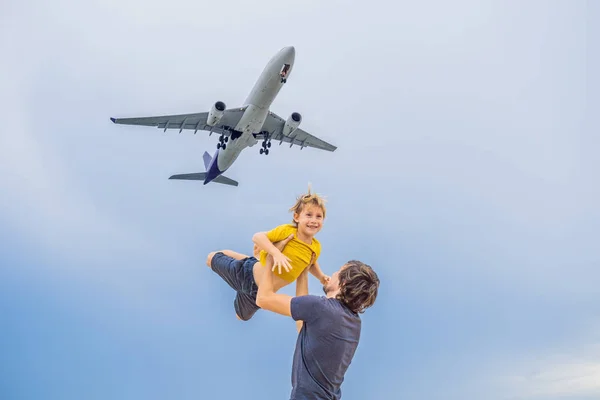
pixel 216 113
pixel 292 123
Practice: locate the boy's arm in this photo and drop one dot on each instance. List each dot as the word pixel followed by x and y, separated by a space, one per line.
pixel 266 297
pixel 280 245
pixel 315 269
pixel 262 241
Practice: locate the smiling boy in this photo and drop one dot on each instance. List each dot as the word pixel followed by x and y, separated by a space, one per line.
pixel 242 272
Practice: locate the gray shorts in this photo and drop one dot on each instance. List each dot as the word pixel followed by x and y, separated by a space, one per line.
pixel 238 274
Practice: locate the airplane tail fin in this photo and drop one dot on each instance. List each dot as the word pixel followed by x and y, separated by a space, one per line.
pixel 201 176
pixel 207 159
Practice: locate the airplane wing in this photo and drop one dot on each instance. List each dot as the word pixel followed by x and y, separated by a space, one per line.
pixel 274 125
pixel 194 122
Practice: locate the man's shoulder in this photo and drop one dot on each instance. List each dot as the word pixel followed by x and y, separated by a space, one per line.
pixel 309 297
pixel 312 308
pixel 306 307
pixel 324 302
pixel 311 300
pixel 337 311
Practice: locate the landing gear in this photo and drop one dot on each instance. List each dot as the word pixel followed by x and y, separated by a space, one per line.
pixel 266 144
pixel 222 140
pixel 283 80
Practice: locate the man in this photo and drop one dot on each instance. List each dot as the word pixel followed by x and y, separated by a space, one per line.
pixel 329 326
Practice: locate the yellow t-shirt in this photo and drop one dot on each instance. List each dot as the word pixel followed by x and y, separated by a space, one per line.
pixel 299 252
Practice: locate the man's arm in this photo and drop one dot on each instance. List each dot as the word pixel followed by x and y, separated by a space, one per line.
pixel 267 299
pixel 301 290
pixel 264 298
pixel 306 307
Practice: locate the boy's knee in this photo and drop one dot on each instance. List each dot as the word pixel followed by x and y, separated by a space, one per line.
pixel 209 258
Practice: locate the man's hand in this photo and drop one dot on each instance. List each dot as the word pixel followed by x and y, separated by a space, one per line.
pixel 256 252
pixel 282 243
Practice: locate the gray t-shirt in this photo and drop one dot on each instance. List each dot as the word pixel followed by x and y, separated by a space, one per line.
pixel 325 347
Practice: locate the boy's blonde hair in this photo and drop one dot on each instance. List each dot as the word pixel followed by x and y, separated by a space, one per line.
pixel 308 199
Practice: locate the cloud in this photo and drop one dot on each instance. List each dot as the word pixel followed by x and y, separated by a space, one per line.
pixel 569 375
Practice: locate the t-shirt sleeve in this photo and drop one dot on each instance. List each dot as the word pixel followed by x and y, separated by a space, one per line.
pixel 317 250
pixel 279 233
pixel 307 308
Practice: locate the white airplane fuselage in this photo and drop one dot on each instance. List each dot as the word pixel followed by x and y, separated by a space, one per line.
pixel 257 106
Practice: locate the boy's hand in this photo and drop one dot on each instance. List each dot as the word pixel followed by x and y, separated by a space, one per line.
pixel 280 260
pixel 325 279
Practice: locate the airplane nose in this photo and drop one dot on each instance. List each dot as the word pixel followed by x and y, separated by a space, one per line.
pixel 290 53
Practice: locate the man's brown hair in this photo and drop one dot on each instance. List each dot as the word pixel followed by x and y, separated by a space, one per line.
pixel 359 285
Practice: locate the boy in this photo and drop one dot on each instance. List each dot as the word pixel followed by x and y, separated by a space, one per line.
pixel 244 273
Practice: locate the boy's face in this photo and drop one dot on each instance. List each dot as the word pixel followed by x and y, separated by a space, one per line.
pixel 310 220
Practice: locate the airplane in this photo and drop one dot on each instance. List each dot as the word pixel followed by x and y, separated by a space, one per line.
pixel 241 127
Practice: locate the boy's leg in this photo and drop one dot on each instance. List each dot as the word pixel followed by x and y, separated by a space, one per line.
pixel 232 270
pixel 245 306
pixel 239 276
pixel 229 253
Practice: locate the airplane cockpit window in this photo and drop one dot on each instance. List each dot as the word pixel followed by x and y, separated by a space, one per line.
pixel 284 70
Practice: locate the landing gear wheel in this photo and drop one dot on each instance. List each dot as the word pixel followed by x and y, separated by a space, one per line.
pixel 224 146
pixel 226 139
pixel 265 146
pixel 219 145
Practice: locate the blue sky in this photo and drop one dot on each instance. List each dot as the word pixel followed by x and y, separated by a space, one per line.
pixel 465 173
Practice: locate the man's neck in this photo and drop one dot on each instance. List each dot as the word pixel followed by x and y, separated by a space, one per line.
pixel 333 294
